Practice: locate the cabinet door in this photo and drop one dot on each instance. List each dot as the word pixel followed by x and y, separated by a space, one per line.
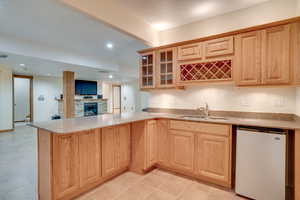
pixel 213 158
pixel 90 156
pixel 109 151
pixel 163 141
pixel 182 150
pixel 147 70
pixel 166 68
pixel 248 58
pixel 65 165
pixel 190 51
pixel 218 47
pixel 151 143
pixel 295 41
pixel 276 55
pixel 124 146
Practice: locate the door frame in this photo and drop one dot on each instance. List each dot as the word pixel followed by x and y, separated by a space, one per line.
pixel 30 96
pixel 113 96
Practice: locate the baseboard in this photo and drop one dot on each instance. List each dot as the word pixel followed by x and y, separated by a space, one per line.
pixel 7 130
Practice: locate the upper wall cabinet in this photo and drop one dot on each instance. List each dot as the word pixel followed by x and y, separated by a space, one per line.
pixel 166 68
pixel 218 47
pixel 262 55
pixel 190 51
pixel 147 70
pixel 248 58
pixel 295 51
pixel 276 55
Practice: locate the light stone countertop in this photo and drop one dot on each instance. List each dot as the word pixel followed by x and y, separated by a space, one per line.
pixel 64 126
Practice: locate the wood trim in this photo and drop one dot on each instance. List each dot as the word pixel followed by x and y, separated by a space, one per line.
pixel 6 130
pixel 22 76
pixel 230 33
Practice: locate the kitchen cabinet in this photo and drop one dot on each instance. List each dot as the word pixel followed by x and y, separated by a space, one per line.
pixel 109 151
pixel 115 149
pixel 213 158
pixel 182 150
pixel 166 68
pixel 151 143
pixel 276 66
pixel 89 156
pixel 248 58
pixel 144 146
pixel 65 165
pixel 123 136
pixel 218 47
pixel 163 142
pixel 295 42
pixel 147 70
pixel 190 52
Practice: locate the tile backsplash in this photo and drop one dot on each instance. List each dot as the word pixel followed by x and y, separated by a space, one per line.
pixel 229 98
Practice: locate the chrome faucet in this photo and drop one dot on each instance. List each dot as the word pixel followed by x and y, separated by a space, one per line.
pixel 206 110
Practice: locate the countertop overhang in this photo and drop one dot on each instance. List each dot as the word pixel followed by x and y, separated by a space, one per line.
pixel 65 126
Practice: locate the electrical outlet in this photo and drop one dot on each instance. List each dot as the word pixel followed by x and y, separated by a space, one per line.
pixel 244 102
pixel 279 102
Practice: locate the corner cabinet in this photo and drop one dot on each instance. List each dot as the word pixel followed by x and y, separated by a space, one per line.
pixel 147 70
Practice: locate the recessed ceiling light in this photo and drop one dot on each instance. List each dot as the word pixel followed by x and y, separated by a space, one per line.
pixel 22 65
pixel 110 76
pixel 109 45
pixel 161 26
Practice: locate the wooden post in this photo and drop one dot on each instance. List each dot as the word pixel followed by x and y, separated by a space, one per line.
pixel 297 165
pixel 68 94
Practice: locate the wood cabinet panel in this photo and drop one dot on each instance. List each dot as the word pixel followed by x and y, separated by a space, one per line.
pixel 190 51
pixel 213 157
pixel 217 129
pixel 295 42
pixel 276 55
pixel 65 165
pixel 218 47
pixel 182 150
pixel 151 143
pixel 147 70
pixel 248 58
pixel 90 156
pixel 166 63
pixel 163 141
pixel 124 145
pixel 109 151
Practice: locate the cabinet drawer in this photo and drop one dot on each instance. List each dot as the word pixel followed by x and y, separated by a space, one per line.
pixel 190 51
pixel 219 47
pixel 217 129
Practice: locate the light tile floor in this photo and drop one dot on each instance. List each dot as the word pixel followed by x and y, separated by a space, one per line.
pixel 18 164
pixel 18 172
pixel 156 185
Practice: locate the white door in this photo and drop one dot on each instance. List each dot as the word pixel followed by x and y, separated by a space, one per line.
pixel 21 99
pixel 116 99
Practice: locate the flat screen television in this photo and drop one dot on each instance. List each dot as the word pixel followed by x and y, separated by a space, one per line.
pixel 85 87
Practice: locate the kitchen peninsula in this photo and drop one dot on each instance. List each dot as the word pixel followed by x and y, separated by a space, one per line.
pixel 76 155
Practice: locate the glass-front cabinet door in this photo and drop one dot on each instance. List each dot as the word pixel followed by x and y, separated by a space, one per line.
pixel 147 70
pixel 166 63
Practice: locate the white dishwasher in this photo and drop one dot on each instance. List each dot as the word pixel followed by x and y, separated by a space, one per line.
pixel 261 163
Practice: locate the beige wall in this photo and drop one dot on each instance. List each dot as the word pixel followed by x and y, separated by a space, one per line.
pixel 230 98
pixel 6 98
pixel 263 13
pixel 298 102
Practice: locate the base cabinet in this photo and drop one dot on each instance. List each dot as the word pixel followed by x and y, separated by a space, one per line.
pixel 182 150
pixel 115 149
pixel 163 142
pixel 213 158
pixel 89 156
pixel 65 165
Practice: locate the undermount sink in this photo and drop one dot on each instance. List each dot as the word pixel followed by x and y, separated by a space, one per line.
pixel 203 117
